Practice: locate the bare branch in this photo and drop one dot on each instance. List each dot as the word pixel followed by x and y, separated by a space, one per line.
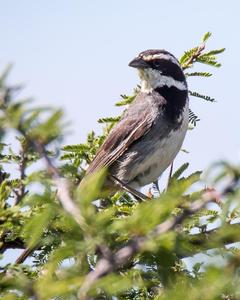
pixel 63 191
pixel 170 175
pixel 16 244
pixel 24 255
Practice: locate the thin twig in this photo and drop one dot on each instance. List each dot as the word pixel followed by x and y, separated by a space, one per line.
pixel 20 193
pixel 170 175
pixel 63 191
pixel 27 252
pixel 62 184
pixel 140 196
pixel 15 244
pixel 194 56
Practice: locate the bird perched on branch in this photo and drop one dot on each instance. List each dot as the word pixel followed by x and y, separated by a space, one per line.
pixel 151 131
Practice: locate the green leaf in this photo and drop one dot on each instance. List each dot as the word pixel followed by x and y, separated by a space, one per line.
pixel 208 60
pixel 35 228
pixel 5 74
pixel 126 100
pixel 214 52
pixel 193 119
pixel 89 190
pixel 194 177
pixel 76 148
pixel 179 171
pixel 187 55
pixel 5 191
pixel 114 284
pixel 202 74
pixel 204 97
pixel 206 36
pixel 109 120
pixel 49 129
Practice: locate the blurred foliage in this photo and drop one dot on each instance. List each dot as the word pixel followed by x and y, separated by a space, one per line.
pixel 62 253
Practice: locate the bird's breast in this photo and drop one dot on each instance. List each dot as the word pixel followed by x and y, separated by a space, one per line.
pixel 146 161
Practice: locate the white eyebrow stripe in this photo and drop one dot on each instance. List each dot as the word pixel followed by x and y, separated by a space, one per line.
pixel 161 56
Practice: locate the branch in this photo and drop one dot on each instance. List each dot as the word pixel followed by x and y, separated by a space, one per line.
pixel 193 57
pixel 27 252
pixel 170 175
pixel 140 196
pixel 208 240
pixel 203 240
pixel 16 244
pixel 62 184
pixel 20 193
pixel 108 264
pixel 63 190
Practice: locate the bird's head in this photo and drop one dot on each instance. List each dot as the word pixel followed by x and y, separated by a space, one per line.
pixel 159 68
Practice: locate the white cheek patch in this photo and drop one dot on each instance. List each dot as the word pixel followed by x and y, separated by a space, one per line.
pixel 152 79
pixel 169 81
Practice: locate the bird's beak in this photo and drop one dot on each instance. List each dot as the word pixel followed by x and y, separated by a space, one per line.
pixel 138 63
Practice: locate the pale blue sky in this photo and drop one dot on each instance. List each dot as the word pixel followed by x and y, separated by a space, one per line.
pixel 75 54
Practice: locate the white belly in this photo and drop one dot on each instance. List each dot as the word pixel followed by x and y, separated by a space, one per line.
pixel 166 150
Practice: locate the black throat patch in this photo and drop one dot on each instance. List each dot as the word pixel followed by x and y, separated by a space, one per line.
pixel 175 101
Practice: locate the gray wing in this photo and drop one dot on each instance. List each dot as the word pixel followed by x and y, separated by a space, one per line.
pixel 135 122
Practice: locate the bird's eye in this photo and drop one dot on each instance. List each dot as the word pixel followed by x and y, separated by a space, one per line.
pixel 157 63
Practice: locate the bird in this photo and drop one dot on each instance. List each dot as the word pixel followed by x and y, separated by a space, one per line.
pixel 151 131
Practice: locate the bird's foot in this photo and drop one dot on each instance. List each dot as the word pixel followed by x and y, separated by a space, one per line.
pixel 150 194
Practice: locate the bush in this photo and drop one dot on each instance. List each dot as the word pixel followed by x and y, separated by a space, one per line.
pixel 119 247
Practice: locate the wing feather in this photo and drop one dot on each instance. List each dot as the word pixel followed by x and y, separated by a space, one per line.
pixel 135 122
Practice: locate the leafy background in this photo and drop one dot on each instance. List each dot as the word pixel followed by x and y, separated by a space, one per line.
pixel 118 247
pixel 54 45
